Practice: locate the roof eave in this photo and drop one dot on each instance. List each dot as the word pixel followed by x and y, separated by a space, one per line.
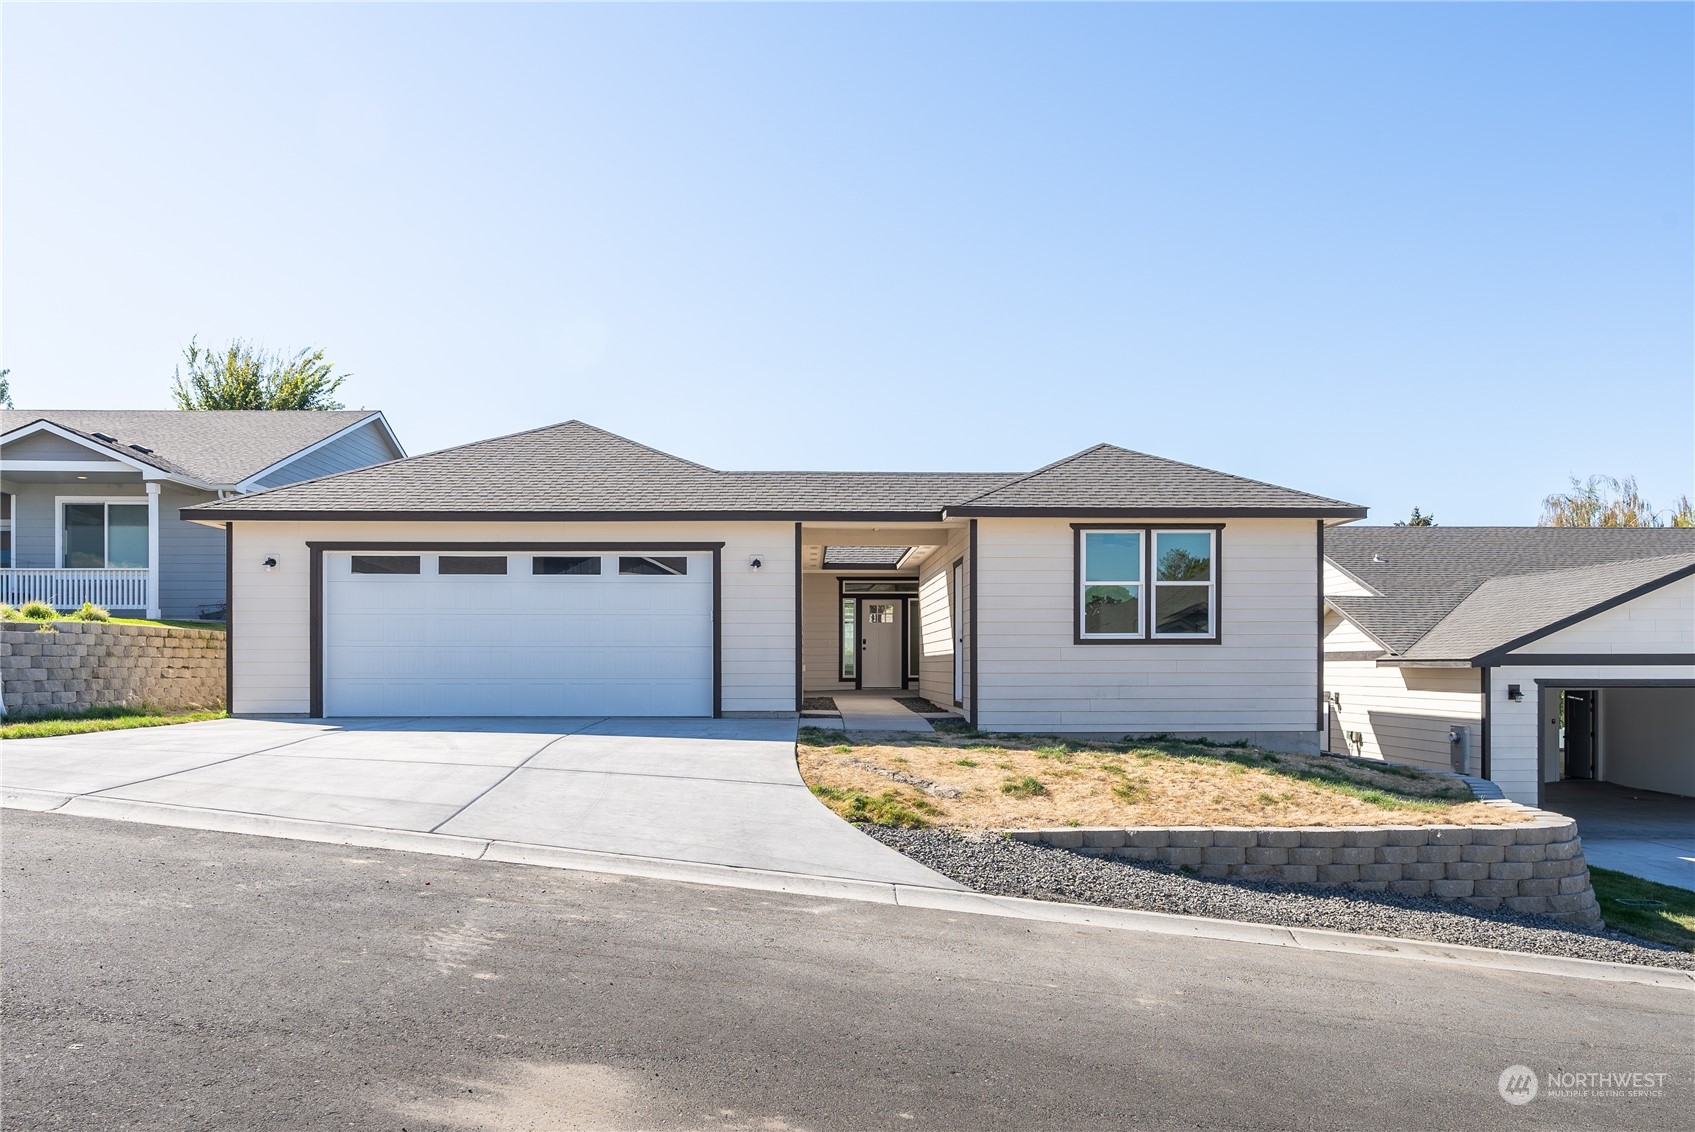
pixel 1323 512
pixel 211 512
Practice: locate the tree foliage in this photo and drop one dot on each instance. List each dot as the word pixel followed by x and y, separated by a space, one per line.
pixel 5 389
pixel 243 376
pixel 1602 501
pixel 1418 519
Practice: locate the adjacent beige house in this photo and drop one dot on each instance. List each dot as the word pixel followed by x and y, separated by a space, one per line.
pixel 1530 656
pixel 568 571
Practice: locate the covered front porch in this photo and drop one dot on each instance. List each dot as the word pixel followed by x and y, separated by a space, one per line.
pixel 885 608
pixel 88 537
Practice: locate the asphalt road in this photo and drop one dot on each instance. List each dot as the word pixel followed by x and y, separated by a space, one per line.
pixel 162 978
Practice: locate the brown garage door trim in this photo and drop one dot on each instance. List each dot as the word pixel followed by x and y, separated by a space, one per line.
pixel 316 603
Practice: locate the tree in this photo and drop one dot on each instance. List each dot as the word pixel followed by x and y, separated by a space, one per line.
pixel 1602 501
pixel 1418 519
pixel 243 376
pixel 1683 515
pixel 5 389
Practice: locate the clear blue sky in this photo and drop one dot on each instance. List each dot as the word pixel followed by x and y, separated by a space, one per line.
pixel 1434 255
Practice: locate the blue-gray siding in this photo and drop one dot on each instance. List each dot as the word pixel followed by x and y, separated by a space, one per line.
pixel 191 557
pixel 360 448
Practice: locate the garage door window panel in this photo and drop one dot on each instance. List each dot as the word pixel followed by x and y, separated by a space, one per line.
pixel 565 566
pixel 480 564
pixel 387 564
pixel 653 566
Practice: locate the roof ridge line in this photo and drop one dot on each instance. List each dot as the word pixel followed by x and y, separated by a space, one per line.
pixel 1063 460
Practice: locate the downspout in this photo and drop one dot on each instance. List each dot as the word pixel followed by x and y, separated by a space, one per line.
pixel 1484 766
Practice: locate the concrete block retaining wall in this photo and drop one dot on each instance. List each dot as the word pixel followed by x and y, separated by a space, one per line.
pixel 84 664
pixel 1535 867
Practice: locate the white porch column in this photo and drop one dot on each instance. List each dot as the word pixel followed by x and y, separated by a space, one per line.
pixel 153 549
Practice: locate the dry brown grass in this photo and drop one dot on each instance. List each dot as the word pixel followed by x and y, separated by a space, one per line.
pixel 1145 783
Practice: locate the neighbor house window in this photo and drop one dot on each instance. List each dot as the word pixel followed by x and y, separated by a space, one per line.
pixel 5 529
pixel 1111 570
pixel 97 536
pixel 1147 584
pixel 653 565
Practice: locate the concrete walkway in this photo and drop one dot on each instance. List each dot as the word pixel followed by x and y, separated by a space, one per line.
pixel 702 791
pixel 1639 832
pixel 873 711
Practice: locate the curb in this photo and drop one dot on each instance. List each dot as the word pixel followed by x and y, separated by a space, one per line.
pixel 839 888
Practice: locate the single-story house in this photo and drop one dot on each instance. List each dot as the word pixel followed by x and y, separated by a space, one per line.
pixel 90 499
pixel 1526 655
pixel 568 571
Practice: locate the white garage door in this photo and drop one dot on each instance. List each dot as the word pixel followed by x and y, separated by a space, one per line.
pixel 584 633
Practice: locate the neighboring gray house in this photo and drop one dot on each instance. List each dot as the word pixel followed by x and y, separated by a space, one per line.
pixel 568 571
pixel 1538 655
pixel 89 499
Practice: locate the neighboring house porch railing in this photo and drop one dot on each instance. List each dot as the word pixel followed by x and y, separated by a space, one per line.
pixel 67 589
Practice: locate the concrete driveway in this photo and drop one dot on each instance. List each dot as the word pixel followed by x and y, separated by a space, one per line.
pixel 1640 832
pixel 706 791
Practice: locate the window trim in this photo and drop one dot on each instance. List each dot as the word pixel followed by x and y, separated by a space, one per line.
pixel 1147 636
pixel 106 502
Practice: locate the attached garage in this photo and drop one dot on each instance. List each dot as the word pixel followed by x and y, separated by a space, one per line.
pixel 551 631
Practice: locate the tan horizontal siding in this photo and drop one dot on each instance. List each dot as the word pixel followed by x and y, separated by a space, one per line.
pixel 1262 677
pixel 270 648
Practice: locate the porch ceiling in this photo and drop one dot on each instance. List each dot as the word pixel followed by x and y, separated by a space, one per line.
pixel 922 539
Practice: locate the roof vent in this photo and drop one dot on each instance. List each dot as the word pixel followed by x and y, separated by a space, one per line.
pixel 1378 560
pixel 143 449
pixel 103 436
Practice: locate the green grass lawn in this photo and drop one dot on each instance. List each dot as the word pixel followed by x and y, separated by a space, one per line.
pixel 218 625
pixel 99 719
pixel 1673 924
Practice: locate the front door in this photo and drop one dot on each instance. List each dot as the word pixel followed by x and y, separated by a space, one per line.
pixel 880 638
pixel 1580 734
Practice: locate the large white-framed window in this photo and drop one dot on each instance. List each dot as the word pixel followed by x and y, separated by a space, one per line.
pixel 1109 571
pixel 98 534
pixel 1147 584
pixel 1185 605
pixel 6 505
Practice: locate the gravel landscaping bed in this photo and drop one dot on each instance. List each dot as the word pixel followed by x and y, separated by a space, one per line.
pixel 999 866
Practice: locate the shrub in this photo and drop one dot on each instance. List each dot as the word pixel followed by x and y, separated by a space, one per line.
pixel 39 611
pixel 7 613
pixel 90 612
pixel 1026 787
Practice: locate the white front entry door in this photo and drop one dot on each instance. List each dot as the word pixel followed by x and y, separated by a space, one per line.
pixel 879 630
pixel 583 633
